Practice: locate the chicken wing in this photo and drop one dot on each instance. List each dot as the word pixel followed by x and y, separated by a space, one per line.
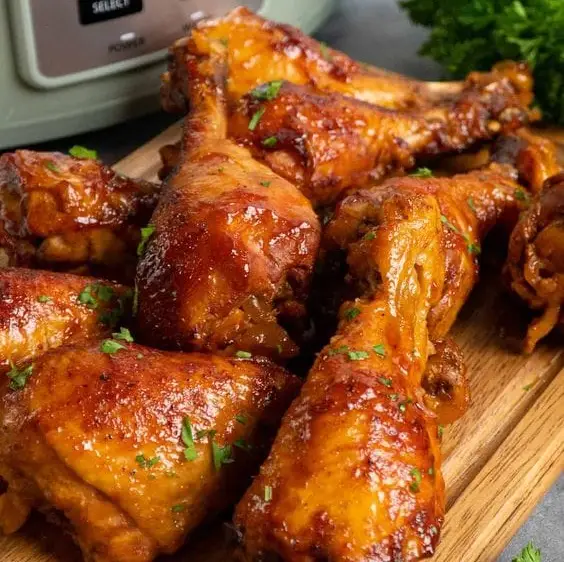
pixel 535 261
pixel 233 245
pixel 40 310
pixel 135 447
pixel 364 421
pixel 260 51
pixel 328 143
pixel 71 212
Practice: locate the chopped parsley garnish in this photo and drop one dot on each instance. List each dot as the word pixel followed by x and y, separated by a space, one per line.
pixel 242 444
pixel 200 434
pixel 221 455
pixel 190 453
pixel 358 355
pixel 268 91
pixel 440 431
pixel 265 183
pixel 369 236
pixel 52 166
pixel 422 173
pixel 529 554
pixel 111 346
pixel 241 418
pixel 83 153
pixel 95 292
pixel 135 305
pixel 243 355
pixel 146 233
pixel 415 473
pixel 470 202
pixel 270 142
pixel 402 406
pixel 267 493
pixel 43 299
pixel 123 334
pixel 394 397
pixel 352 313
pixel 385 381
pixel 144 462
pixel 521 195
pixel 528 387
pixel 224 41
pixel 379 349
pixel 256 118
pixel 472 248
pixel 431 471
pixel 18 377
pixel 221 169
pixel 179 508
pixel 325 51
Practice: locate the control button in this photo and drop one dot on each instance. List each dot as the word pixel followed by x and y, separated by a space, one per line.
pixel 94 11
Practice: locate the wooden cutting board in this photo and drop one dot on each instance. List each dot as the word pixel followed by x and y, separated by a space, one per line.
pixel 499 459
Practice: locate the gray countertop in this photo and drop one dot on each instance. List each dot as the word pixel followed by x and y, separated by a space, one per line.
pixel 373 31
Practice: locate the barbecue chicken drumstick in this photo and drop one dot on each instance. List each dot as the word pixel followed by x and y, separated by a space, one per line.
pixel 135 447
pixel 354 473
pixel 233 247
pixel 68 213
pixel 260 51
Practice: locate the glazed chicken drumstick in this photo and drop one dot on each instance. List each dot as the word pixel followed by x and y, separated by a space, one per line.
pixel 69 213
pixel 229 263
pixel 261 51
pixel 355 471
pixel 134 447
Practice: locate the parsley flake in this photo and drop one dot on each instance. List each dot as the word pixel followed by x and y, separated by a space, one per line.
pixel 415 473
pixel 379 349
pixel 270 142
pixel 95 292
pixel 43 299
pixel 123 334
pixel 369 236
pixel 337 350
pixel 146 233
pixel 470 202
pixel 241 418
pixel 385 381
pixel 256 118
pixel 83 153
pixel 179 508
pixel 268 91
pixel 325 53
pixel 352 313
pixel 242 444
pixel 267 493
pixel 144 462
pixel 221 455
pixel 190 453
pixel 422 173
pixel 440 431
pixel 521 195
pixel 52 167
pixel 243 355
pixel 265 183
pixel 18 377
pixel 111 346
pixel 528 387
pixel 224 41
pixel 358 355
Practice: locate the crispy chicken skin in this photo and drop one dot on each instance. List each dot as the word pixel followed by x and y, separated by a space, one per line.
pixel 40 310
pixel 535 262
pixel 366 418
pixel 103 440
pixel 260 50
pixel 327 143
pixel 233 247
pixel 72 211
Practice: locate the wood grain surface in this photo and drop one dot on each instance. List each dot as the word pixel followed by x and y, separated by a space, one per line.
pixel 499 459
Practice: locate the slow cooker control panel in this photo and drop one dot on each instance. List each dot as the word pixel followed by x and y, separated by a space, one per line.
pixel 61 42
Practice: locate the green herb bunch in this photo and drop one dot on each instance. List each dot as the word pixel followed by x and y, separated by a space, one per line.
pixel 471 35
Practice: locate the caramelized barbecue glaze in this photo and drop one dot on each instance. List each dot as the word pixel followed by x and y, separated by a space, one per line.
pixel 354 473
pixel 535 260
pixel 74 212
pixel 40 310
pixel 233 246
pixel 98 438
pixel 260 50
pixel 327 143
